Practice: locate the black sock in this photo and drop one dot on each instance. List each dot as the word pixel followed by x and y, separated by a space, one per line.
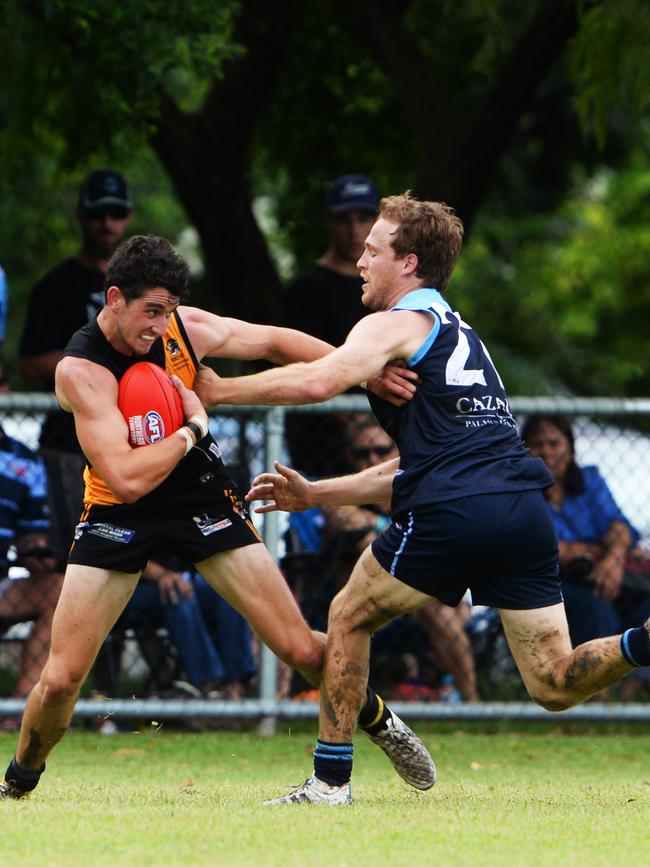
pixel 374 713
pixel 21 778
pixel 333 763
pixel 635 646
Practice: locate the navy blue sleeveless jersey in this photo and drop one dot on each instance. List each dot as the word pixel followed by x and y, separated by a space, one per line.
pixel 456 437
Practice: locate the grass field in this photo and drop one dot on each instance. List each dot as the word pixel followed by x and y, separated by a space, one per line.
pixel 528 795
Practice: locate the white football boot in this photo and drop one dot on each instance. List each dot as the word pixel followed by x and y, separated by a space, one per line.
pixel 315 791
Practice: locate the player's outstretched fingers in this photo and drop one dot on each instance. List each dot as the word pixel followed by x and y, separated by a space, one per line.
pixel 287 472
pixel 259 491
pixel 263 479
pixel 268 507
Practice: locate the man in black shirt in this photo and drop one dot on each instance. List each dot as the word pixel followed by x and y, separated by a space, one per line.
pixel 325 301
pixel 61 302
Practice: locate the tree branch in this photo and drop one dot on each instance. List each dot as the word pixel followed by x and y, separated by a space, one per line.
pixel 468 162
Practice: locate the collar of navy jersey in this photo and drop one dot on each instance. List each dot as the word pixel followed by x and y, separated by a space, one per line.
pixel 423 299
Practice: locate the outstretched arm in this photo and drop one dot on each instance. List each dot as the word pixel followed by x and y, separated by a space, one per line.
pixel 219 337
pixel 222 337
pixel 372 343
pixel 291 492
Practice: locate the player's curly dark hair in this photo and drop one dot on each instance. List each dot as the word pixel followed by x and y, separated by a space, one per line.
pixel 431 230
pixel 144 262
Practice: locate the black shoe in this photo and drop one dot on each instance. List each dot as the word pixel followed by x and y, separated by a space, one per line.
pixel 7 790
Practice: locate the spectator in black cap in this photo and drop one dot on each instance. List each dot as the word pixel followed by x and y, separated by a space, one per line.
pixel 60 303
pixel 325 301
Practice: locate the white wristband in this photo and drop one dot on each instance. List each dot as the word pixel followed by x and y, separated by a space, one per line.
pixel 201 421
pixel 187 436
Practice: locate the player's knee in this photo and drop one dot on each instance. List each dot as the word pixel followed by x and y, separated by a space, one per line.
pixel 551 699
pixel 347 614
pixel 61 684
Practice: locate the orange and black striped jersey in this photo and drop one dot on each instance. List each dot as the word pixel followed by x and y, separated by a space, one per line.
pixel 175 354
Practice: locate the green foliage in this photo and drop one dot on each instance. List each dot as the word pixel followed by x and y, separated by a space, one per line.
pixel 568 291
pixel 608 63
pixel 96 70
pixel 337 110
pixel 80 88
pixel 327 96
pixel 558 288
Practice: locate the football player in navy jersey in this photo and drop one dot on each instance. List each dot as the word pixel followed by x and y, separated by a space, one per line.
pixel 467 504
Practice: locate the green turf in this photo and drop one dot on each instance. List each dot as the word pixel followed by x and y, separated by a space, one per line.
pixel 530 796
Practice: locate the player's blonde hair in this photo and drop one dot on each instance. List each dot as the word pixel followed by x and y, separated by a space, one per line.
pixel 431 230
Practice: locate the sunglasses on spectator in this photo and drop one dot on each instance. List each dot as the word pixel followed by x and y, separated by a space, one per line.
pixel 114 212
pixel 363 453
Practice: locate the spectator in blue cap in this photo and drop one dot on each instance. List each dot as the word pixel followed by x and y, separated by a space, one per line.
pixel 325 301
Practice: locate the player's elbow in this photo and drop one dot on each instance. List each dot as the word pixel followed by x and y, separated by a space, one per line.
pixel 127 490
pixel 131 496
pixel 318 389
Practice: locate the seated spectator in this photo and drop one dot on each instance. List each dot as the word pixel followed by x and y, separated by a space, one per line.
pixel 210 643
pixel 163 598
pixel 595 538
pixel 24 523
pixel 436 631
pixel 232 637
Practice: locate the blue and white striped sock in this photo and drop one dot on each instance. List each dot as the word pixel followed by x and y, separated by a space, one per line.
pixel 333 763
pixel 635 646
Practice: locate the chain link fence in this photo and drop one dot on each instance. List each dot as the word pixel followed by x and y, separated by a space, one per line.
pixel 437 663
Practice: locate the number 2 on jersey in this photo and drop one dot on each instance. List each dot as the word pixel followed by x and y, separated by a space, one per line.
pixel 455 372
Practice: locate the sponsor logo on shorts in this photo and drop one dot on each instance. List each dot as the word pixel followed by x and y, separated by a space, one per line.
pixel 146 429
pixel 216 451
pixel 108 531
pixel 209 525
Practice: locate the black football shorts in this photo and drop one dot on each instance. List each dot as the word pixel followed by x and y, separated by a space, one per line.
pixel 502 547
pixel 193 527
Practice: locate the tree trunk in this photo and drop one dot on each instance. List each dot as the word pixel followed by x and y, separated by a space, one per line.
pixel 207 156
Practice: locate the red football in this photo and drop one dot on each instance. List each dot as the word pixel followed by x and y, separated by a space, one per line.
pixel 150 403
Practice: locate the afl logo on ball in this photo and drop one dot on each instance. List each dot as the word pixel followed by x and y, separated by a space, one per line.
pixel 153 427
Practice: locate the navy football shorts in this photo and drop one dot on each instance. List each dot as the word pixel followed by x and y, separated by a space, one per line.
pixel 501 546
pixel 124 537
